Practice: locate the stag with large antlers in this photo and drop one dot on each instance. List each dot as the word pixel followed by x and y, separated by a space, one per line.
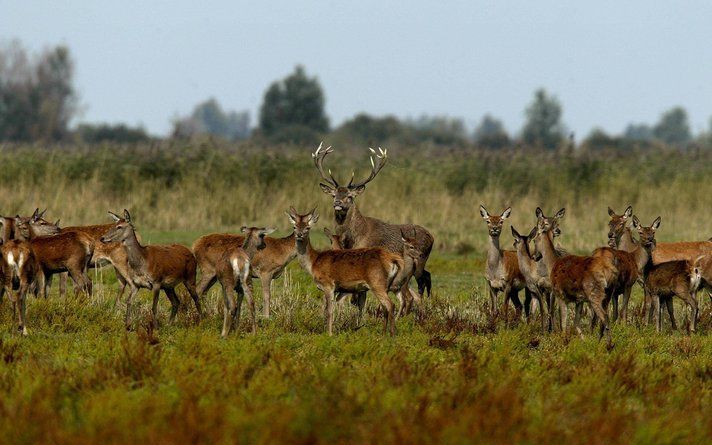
pixel 358 231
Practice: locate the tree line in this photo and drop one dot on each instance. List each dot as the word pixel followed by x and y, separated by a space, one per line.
pixel 38 101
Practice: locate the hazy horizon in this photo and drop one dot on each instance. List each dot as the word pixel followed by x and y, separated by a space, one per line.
pixel 609 64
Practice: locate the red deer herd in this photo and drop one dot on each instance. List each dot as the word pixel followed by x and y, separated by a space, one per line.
pixel 365 254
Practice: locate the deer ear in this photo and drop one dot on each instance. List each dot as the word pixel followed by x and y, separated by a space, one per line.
pixel 532 233
pixel 114 216
pixel 483 212
pixel 327 189
pixel 127 215
pixel 636 222
pixel 243 229
pixel 57 223
pixel 515 234
pixel 539 212
pixel 267 231
pixel 35 214
pixel 560 214
pixel 506 213
pixel 628 212
pixel 611 212
pixel 42 213
pixel 313 218
pixel 656 223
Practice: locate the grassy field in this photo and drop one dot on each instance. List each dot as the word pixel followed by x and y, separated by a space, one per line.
pixel 452 375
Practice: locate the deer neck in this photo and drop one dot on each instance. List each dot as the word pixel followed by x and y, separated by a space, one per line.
pixel 644 258
pixel 494 253
pixel 305 253
pixel 135 253
pixel 627 242
pixel 526 264
pixel 353 218
pixel 548 252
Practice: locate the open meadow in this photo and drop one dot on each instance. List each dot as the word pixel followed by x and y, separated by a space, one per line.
pixel 453 374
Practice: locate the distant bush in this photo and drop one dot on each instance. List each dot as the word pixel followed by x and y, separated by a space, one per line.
pixel 121 133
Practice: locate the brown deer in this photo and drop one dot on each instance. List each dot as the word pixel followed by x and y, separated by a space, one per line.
pixel 56 252
pixel 348 270
pixel 334 240
pixel 706 274
pixel 104 253
pixel 502 271
pixel 664 252
pixel 233 273
pixel 19 265
pixel 530 271
pixel 266 265
pixel 679 279
pixel 543 281
pixel 576 279
pixel 154 267
pixel 358 231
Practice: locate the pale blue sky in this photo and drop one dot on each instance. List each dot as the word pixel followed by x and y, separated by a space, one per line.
pixel 609 62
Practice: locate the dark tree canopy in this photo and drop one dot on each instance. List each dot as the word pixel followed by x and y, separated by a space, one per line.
pixel 296 101
pixel 543 127
pixel 673 128
pixel 37 98
pixel 490 133
pixel 209 118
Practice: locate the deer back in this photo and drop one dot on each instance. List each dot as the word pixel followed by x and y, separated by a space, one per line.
pixel 669 279
pixel 681 251
pixel 169 262
pixel 626 266
pixel 211 250
pixel 369 265
pixel 55 251
pixel 572 274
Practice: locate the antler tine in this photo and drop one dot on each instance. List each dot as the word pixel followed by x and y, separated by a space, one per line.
pixel 381 158
pixel 318 157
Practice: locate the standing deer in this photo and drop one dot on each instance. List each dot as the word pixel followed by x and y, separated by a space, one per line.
pixel 348 270
pixel 233 273
pixel 576 279
pixel 267 264
pixel 358 231
pixel 154 267
pixel 56 252
pixel 20 265
pixel 502 271
pixel 530 271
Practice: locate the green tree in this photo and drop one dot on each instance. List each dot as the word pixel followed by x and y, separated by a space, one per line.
pixel 673 128
pixel 294 105
pixel 490 133
pixel 543 127
pixel 209 118
pixel 37 96
pixel 638 132
pixel 364 129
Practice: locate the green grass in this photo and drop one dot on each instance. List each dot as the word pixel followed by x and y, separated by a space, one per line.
pixel 450 376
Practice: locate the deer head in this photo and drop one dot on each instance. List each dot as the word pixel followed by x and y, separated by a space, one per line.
pixel 617 225
pixel 551 222
pixel 647 234
pixel 255 237
pixel 334 240
pixel 494 222
pixel 344 195
pixel 35 225
pixel 122 230
pixel 519 239
pixel 409 243
pixel 302 223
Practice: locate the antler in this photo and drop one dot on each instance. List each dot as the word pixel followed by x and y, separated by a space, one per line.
pixel 318 157
pixel 376 167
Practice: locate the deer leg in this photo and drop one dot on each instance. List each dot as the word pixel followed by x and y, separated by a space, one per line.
pixel 527 303
pixel 127 319
pixel 207 280
pixel 671 312
pixel 614 298
pixel 247 287
pixel 175 303
pixel 63 284
pixel 190 286
pixel 389 324
pixel 694 308
pixel 624 307
pixel 542 310
pixel 577 318
pixel 361 304
pixel 656 309
pixel 238 304
pixel 122 288
pixel 514 297
pixel 229 311
pixel 563 314
pixel 266 280
pixel 493 298
pixel 424 281
pixel 329 310
pixel 22 326
pixel 154 308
